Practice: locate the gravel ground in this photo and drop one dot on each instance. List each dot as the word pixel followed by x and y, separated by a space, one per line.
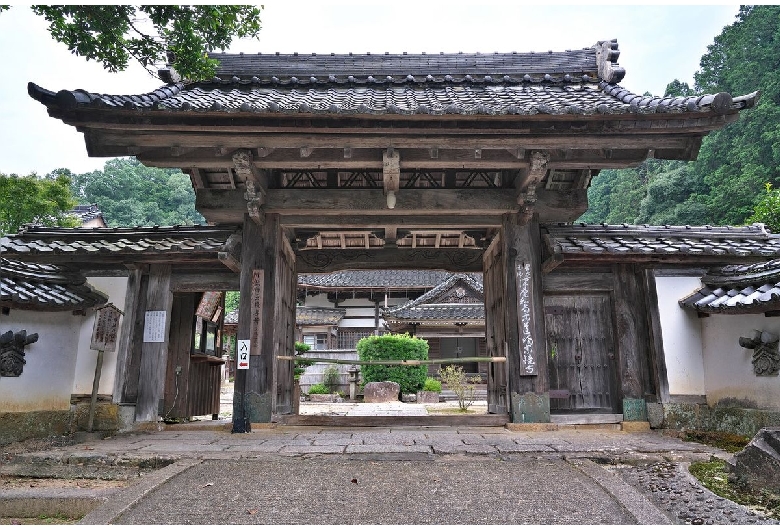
pixel 672 488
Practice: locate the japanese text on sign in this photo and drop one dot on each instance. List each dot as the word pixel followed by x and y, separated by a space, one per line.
pixel 242 355
pixel 154 326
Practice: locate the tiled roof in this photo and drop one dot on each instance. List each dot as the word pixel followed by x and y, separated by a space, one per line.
pixel 558 83
pixel 427 307
pixel 45 288
pixel 654 242
pixel 373 279
pixel 318 315
pixel 35 242
pixel 86 212
pixel 738 289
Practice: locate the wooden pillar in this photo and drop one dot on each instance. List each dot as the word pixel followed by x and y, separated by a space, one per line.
pixel 267 320
pixel 658 357
pixel 154 349
pixel 526 338
pixel 128 349
pixel 631 323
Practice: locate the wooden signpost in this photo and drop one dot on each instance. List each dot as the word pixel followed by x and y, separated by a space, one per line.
pixel 104 335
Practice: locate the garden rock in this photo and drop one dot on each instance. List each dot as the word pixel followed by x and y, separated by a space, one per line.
pixel 424 396
pixel 758 463
pixel 383 392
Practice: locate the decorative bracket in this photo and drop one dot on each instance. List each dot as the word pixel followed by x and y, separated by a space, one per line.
pixel 766 357
pixel 254 202
pixel 12 352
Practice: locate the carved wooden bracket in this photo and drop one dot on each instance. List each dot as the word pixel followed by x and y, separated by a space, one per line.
pixel 766 357
pixel 12 352
pixel 254 202
pixel 230 253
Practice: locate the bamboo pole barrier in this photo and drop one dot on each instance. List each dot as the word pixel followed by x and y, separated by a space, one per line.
pixel 392 362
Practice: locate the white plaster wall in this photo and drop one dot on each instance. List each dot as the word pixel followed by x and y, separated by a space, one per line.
pixel 360 312
pixel 682 336
pixel 116 290
pixel 320 300
pixel 728 368
pixel 357 302
pixel 47 378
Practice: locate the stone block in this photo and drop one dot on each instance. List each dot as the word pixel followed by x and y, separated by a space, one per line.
pixel 634 409
pixel 635 426
pixel 532 427
pixel 655 415
pixel 530 408
pixel 758 464
pixel 381 392
pixel 425 396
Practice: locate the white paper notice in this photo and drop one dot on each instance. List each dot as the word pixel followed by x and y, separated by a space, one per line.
pixel 243 355
pixel 154 326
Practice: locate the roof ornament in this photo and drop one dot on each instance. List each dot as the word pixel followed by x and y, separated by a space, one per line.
pixel 607 54
pixel 169 75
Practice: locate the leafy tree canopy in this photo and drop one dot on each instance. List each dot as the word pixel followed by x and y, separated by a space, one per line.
pixel 151 35
pixel 35 200
pixel 131 194
pixel 728 178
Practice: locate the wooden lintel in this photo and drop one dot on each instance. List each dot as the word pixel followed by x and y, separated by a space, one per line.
pixel 263 152
pixel 518 153
pixel 455 260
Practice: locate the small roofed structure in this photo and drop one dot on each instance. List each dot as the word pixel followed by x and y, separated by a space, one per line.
pixel 89 215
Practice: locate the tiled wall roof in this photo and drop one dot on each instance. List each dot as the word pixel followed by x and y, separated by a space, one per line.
pixel 36 242
pixel 375 279
pixel 654 241
pixel 45 287
pixel 738 289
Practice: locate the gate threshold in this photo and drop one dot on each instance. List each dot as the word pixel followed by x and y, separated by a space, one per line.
pixel 586 419
pixel 310 420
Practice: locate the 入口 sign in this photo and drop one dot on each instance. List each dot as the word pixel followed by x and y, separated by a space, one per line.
pixel 242 355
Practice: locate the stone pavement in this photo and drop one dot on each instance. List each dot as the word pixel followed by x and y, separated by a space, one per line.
pixel 298 475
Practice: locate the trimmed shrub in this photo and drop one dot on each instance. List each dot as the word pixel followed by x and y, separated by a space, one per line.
pixel 394 347
pixel 432 385
pixel 319 388
pixel 331 378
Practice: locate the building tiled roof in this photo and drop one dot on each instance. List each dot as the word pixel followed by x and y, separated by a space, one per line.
pixel 572 82
pixel 87 212
pixel 41 243
pixel 374 279
pixel 427 308
pixel 45 287
pixel 656 242
pixel 738 289
pixel 309 316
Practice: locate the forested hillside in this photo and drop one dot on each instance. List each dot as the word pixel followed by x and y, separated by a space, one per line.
pixel 131 194
pixel 728 180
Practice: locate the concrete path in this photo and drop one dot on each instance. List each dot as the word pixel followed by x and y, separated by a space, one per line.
pixel 295 475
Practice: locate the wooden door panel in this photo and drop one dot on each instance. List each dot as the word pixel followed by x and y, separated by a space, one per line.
pixel 580 352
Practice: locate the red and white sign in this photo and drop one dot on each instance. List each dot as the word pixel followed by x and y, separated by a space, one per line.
pixel 242 355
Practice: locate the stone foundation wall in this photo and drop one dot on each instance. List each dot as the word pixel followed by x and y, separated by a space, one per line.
pixel 702 417
pixel 18 426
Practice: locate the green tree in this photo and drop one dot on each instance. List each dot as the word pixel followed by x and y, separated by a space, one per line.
pixel 679 89
pixel 397 348
pixel 35 200
pixel 151 35
pixel 131 194
pixel 767 210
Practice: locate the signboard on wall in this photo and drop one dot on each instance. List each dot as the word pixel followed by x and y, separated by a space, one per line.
pixel 154 326
pixel 242 355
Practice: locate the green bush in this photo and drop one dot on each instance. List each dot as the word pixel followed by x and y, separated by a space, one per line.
pixel 300 366
pixel 331 378
pixel 394 347
pixel 432 385
pixel 319 388
pixel 456 380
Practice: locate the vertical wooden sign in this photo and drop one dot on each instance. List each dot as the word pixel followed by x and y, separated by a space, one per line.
pixel 527 358
pixel 256 331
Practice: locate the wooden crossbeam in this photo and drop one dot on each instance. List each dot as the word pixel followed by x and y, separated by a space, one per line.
pixel 395 362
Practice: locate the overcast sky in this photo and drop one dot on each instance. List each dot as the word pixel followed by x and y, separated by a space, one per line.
pixel 657 44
